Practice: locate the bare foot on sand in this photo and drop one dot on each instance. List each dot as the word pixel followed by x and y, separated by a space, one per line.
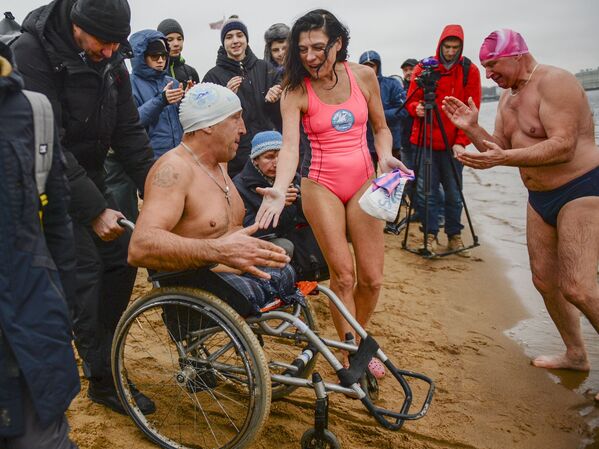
pixel 561 362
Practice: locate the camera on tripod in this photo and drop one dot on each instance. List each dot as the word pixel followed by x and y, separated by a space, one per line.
pixel 430 75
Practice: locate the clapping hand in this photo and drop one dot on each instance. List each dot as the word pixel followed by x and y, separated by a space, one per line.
pixel 461 115
pixel 495 155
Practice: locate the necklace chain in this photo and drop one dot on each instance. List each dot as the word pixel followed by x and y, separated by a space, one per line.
pixel 512 93
pixel 225 189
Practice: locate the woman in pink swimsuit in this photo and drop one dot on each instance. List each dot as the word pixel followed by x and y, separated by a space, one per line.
pixel 334 99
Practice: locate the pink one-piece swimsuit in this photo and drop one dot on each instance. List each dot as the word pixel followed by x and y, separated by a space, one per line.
pixel 339 157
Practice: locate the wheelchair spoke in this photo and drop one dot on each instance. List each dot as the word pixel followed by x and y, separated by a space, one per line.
pixel 199 371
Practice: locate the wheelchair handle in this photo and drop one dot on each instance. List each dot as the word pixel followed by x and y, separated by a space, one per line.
pixel 126 223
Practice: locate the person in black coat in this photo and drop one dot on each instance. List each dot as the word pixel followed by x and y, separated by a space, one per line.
pixel 177 68
pixel 38 372
pixel 255 82
pixel 258 172
pixel 73 52
pixel 292 233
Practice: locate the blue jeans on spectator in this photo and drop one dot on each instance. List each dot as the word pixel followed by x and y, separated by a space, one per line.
pixel 409 156
pixel 442 175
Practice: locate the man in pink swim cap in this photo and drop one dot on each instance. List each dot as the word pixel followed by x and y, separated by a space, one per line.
pixel 502 43
pixel 548 133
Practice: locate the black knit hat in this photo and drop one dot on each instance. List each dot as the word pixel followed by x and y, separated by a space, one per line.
pixel 108 20
pixel 233 23
pixel 168 26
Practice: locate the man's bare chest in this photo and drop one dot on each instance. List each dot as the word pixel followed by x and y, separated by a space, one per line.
pixel 520 118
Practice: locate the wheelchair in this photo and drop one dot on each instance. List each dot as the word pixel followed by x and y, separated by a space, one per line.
pixel 212 367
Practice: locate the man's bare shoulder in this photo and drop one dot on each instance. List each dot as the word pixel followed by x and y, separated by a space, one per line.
pixel 553 79
pixel 170 171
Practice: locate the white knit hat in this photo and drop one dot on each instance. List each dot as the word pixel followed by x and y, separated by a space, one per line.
pixel 207 104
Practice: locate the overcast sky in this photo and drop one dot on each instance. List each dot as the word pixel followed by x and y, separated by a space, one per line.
pixel 558 32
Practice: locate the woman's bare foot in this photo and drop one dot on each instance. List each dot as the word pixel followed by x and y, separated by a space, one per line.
pixel 561 362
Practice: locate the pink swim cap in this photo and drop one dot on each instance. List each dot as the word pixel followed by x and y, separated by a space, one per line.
pixel 502 43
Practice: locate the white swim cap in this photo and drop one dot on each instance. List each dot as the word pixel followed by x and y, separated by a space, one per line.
pixel 207 104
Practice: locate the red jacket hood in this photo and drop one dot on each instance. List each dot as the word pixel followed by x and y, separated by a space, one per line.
pixel 450 31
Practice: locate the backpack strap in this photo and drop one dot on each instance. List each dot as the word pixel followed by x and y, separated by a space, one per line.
pixel 466 63
pixel 43 129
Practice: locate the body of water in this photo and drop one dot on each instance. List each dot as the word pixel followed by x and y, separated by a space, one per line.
pixel 497 202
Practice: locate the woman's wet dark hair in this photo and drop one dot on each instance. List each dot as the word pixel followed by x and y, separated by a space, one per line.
pixel 314 20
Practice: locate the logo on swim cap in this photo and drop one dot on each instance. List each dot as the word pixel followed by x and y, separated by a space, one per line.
pixel 342 120
pixel 205 97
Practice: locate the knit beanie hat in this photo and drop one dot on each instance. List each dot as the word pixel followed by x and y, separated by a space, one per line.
pixel 233 23
pixel 266 141
pixel 168 26
pixel 108 20
pixel 207 104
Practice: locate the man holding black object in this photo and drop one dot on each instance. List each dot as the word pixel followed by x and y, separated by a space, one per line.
pixel 73 52
pixel 460 78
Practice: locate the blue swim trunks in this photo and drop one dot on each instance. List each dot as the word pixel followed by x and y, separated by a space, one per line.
pixel 548 203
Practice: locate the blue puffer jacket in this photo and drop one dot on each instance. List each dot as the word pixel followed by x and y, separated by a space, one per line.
pixel 37 271
pixel 160 119
pixel 393 96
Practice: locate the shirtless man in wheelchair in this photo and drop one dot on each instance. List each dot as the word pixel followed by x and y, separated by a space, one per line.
pixel 192 214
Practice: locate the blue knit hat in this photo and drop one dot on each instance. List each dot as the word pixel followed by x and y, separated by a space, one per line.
pixel 266 141
pixel 233 23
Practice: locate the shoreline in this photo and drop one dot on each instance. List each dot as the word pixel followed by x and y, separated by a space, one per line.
pixel 446 318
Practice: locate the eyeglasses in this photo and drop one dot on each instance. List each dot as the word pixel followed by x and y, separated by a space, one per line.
pixel 158 57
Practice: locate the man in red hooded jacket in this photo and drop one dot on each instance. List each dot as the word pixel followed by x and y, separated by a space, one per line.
pixel 461 79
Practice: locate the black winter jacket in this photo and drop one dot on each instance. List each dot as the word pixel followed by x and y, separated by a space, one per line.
pixel 92 103
pixel 246 183
pixel 258 114
pixel 181 71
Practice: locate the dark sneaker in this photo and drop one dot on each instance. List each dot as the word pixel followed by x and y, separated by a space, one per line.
pixel 107 396
pixel 455 244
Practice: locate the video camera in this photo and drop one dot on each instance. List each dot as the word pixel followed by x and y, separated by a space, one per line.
pixel 430 75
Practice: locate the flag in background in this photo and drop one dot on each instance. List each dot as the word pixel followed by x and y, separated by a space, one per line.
pixel 217 25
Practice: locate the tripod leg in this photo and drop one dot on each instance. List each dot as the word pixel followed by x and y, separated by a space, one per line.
pixel 455 173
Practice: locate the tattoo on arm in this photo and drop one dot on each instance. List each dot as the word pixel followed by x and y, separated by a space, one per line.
pixel 165 176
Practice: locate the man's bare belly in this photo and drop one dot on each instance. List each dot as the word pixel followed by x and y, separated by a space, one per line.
pixel 549 177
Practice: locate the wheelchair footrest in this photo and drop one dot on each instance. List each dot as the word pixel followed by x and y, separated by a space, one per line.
pixel 358 362
pixel 394 420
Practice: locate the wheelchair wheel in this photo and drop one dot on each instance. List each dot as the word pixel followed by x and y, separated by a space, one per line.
pixel 200 363
pixel 287 348
pixel 311 440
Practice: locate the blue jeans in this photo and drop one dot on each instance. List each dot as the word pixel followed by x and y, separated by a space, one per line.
pixel 409 156
pixel 442 175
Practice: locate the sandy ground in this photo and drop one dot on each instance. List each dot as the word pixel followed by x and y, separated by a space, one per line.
pixel 444 318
